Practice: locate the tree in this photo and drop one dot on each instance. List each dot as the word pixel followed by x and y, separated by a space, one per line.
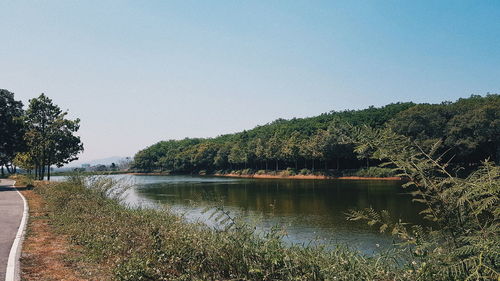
pixel 50 135
pixel 24 161
pixel 238 154
pixel 319 146
pixel 260 151
pixel 274 149
pixel 11 129
pixel 291 148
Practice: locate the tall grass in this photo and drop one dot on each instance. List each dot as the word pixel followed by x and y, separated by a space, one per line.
pixel 145 244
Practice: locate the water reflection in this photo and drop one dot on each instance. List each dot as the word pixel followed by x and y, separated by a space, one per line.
pixel 310 210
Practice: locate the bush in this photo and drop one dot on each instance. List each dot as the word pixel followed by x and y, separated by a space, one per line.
pixel 305 172
pixel 247 172
pixel 375 172
pixel 23 180
pixel 288 172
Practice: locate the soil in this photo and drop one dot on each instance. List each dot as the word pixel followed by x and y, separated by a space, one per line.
pixel 45 254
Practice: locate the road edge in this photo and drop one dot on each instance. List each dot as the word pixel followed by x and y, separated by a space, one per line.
pixel 13 265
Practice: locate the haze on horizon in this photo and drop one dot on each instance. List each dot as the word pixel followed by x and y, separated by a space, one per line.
pixel 139 72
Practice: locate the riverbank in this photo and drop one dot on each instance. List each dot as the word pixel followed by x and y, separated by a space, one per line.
pixel 305 177
pixel 145 244
pixel 277 175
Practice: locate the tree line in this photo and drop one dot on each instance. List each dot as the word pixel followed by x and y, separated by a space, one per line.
pixel 36 138
pixel 468 129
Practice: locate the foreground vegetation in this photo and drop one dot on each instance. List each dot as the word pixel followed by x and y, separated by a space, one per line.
pixel 468 128
pixel 146 244
pixel 142 244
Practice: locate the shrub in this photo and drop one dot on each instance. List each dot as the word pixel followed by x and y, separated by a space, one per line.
pixel 463 242
pixel 305 172
pixel 375 172
pixel 247 172
pixel 288 172
pixel 23 180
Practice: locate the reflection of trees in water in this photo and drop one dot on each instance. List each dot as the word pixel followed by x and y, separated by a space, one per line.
pixel 326 201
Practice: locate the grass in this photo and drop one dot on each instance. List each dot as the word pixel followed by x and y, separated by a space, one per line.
pixel 23 180
pixel 108 238
pixel 145 244
pixel 44 253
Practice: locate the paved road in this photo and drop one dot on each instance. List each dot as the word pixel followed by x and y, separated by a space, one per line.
pixel 11 212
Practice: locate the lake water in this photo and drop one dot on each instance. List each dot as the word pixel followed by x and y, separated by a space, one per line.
pixel 309 210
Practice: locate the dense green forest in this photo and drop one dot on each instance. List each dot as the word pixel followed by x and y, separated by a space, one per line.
pixel 467 130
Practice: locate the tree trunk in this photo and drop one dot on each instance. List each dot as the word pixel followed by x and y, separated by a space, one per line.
pixel 313 166
pixel 42 170
pixel 367 162
pixel 266 166
pixel 276 165
pixel 48 168
pixel 3 172
pixel 338 163
pixel 296 164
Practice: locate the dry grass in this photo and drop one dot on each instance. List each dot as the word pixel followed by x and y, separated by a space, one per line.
pixel 46 255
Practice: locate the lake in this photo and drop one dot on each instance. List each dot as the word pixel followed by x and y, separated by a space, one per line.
pixel 309 210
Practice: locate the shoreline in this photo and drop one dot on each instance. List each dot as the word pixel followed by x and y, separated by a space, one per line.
pixel 269 176
pixel 307 177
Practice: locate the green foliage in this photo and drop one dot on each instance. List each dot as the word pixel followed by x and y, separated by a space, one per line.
pixel 469 128
pixel 288 172
pixel 463 244
pixel 375 172
pixel 299 143
pixel 50 136
pixel 305 172
pixel 11 129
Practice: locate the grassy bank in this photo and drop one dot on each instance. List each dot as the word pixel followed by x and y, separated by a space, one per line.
pixel 290 173
pixel 142 244
pixel 110 241
pixel 46 255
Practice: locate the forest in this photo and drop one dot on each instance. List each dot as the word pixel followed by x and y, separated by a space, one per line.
pixel 467 131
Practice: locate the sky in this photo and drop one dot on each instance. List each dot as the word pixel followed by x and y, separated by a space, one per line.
pixel 137 72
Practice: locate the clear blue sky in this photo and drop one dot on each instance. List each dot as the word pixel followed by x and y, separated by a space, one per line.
pixel 137 72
